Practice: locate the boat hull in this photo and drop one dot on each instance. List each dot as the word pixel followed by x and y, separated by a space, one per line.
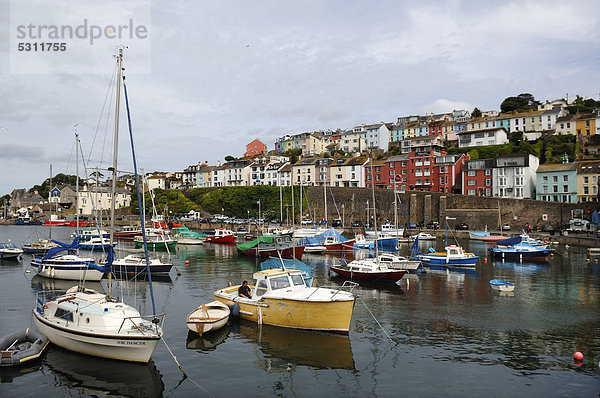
pixel 170 245
pixel 541 255
pixel 198 322
pixel 285 253
pixel 382 276
pixel 227 239
pixel 123 348
pixel 328 316
pixel 72 272
pixel 441 260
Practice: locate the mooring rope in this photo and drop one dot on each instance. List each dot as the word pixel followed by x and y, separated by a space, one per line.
pixel 183 371
pixel 381 326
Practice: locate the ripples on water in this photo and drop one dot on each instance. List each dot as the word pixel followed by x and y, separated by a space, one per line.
pixel 448 333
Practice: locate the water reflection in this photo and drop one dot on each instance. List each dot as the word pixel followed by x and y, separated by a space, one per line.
pixel 85 375
pixel 9 373
pixel 41 284
pixel 286 348
pixel 208 341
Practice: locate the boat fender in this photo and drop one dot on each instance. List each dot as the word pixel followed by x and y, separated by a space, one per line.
pixel 235 310
pixel 431 250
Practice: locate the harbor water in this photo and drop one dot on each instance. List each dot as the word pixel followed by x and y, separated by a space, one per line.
pixel 439 333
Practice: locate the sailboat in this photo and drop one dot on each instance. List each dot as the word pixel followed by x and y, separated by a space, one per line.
pixel 97 324
pixel 370 269
pixel 63 262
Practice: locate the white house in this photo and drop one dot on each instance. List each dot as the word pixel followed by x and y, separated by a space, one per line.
pixel 100 198
pixel 348 172
pixel 474 138
pixel 514 176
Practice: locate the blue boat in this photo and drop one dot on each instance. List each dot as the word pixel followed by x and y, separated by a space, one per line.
pixel 522 250
pixel 453 256
pixel 501 285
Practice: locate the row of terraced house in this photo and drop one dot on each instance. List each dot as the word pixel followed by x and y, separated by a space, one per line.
pixel 423 163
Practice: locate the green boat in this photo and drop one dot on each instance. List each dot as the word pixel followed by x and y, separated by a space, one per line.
pixel 185 236
pixel 156 242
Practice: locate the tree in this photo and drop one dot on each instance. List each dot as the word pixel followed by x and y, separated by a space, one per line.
pixel 229 158
pixel 516 137
pixel 520 103
pixel 476 112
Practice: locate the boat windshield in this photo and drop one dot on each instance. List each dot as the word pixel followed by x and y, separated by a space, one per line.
pixel 297 279
pixel 261 288
pixel 280 282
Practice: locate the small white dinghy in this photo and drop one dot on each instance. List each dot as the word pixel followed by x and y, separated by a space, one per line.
pixel 501 285
pixel 207 317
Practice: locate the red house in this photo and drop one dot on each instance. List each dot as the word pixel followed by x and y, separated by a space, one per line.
pixel 423 171
pixel 477 177
pixel 254 148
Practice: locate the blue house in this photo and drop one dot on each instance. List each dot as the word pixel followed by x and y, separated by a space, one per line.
pixel 557 182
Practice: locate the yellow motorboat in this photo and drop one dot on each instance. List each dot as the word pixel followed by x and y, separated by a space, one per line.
pixel 280 297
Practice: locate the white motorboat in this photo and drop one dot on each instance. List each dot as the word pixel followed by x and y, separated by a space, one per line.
pixel 207 317
pixel 388 230
pixel 9 250
pixel 398 262
pixel 423 236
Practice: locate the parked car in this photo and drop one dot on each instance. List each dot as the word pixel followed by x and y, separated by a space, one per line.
pixel 412 225
pixel 306 222
pixel 505 227
pixel 462 226
pixel 336 223
pixel 548 228
pixel 368 225
pixel 355 224
pixel 433 225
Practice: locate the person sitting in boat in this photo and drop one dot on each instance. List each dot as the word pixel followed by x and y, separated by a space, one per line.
pixel 244 290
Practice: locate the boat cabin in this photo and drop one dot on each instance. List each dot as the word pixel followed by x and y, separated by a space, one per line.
pixel 223 232
pixel 276 280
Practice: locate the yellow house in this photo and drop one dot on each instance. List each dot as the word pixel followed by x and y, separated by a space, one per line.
pixel 585 124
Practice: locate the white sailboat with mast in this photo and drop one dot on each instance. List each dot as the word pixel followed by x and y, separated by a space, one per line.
pixel 97 324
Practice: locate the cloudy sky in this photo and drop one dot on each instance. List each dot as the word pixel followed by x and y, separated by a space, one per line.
pixel 213 75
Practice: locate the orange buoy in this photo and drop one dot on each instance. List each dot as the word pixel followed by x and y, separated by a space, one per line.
pixel 578 356
pixel 187 262
pixel 485 260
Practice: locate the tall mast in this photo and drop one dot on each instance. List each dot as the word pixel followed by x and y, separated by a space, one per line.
pixel 76 184
pixel 51 187
pixel 374 210
pixel 114 165
pixel 325 200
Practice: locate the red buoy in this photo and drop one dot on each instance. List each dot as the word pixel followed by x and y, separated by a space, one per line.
pixel 578 356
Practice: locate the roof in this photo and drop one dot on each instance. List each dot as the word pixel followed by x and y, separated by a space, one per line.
pixel 553 168
pixel 275 272
pixel 306 162
pixel 397 158
pixel 589 166
pixel 425 137
pixel 358 160
pixel 286 168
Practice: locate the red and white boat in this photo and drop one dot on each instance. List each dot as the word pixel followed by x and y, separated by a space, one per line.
pixel 333 244
pixel 221 236
pixel 368 270
pixel 493 238
pixel 129 232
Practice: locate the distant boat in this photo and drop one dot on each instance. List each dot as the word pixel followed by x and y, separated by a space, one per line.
pixel 156 242
pixel 129 232
pixel 136 265
pixel 271 246
pixel 478 235
pixel 9 250
pixel 185 236
pixel 58 265
pixel 422 236
pixel 221 236
pixel 96 243
pixel 208 317
pixel 369 269
pixel 41 246
pixel 522 250
pixel 453 255
pixel 493 238
pixel 501 285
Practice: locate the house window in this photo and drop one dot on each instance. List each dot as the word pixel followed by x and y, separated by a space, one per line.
pixel 585 180
pixel 488 172
pixel 565 178
pixel 471 173
pixel 545 178
pixel 586 190
pixel 471 182
pixel 471 192
pixel 554 178
pixel 488 182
